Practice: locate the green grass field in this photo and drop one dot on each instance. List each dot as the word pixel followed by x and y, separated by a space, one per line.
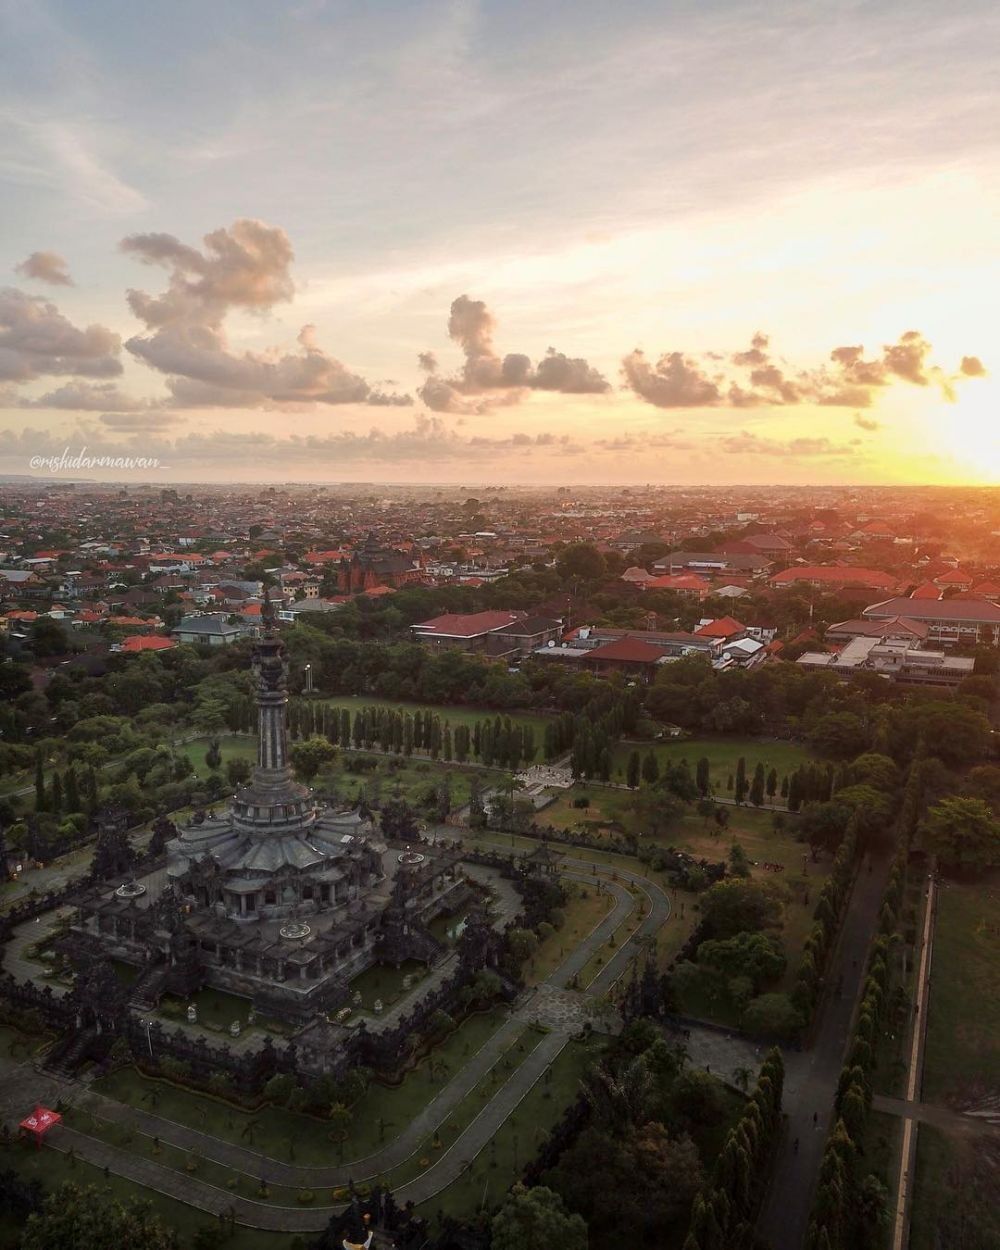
pixel 962 1057
pixel 232 746
pixel 956 1197
pixel 721 753
pixel 53 1169
pixel 273 1130
pixel 491 1173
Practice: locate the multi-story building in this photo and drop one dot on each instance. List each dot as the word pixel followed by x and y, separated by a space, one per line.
pixel 948 621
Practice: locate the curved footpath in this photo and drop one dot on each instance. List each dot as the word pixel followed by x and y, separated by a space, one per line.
pixel 15 1084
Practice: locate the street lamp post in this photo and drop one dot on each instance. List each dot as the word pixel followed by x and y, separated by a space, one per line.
pixel 147 1025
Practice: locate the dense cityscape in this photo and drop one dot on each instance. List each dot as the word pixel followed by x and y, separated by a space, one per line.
pixel 499 625
pixel 500 842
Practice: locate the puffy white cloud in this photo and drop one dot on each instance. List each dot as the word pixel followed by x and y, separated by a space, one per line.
pixel 246 266
pixel 46 267
pixel 486 379
pixel 755 379
pixel 36 341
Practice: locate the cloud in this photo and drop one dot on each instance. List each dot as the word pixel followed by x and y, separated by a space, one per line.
pixel 138 422
pixel 428 441
pixel 88 397
pixel 675 381
pixel 46 267
pixel 866 423
pixel 245 266
pixel 36 340
pixel 384 399
pixel 747 443
pixel 487 380
pixel 754 378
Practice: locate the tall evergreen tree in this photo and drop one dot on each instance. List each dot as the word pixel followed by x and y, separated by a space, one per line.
pixel 703 775
pixel 757 786
pixel 634 771
pixel 56 800
pixel 741 780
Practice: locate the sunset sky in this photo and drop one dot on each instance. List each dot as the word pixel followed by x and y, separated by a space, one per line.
pixel 502 241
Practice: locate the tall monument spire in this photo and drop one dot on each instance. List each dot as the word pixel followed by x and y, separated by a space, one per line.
pixel 272 702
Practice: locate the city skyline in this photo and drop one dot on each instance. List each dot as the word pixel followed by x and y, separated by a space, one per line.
pixel 456 244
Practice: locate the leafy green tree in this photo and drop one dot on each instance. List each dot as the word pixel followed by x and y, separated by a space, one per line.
pixel 532 1219
pixel 739 864
pixel 962 832
pixel 581 560
pixel 733 906
pixel 837 734
pixel 238 770
pixel 772 1015
pixel 310 756
pixel 757 956
pixel 522 944
pixel 72 1218
pixel 213 756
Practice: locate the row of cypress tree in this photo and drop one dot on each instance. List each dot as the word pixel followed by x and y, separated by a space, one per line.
pixel 827 916
pixel 722 1215
pixel 850 1201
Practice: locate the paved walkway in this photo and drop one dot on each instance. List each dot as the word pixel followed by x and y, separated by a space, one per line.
pixel 22 1084
pixel 811 1085
pixel 940 1117
pixel 915 1071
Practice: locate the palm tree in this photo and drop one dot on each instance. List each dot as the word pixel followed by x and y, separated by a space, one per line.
pixel 742 1076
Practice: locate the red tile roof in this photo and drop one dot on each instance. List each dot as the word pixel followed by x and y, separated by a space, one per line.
pixel 629 650
pixel 139 642
pixel 926 590
pixel 724 627
pixel 466 625
pixel 678 581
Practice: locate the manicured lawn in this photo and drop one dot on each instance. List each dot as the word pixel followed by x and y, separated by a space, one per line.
pixel 469 1108
pixel 275 1130
pixel 383 981
pixel 956 1199
pixel 53 1168
pixel 412 779
pixel 584 910
pixel 216 1011
pixel 492 1172
pixel 232 746
pixel 449 714
pixel 722 755
pixel 962 1057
